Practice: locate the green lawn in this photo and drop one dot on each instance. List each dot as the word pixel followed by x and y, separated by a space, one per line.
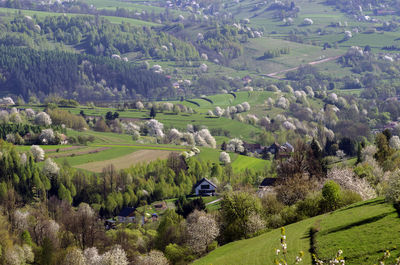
pixel 363 231
pixel 242 163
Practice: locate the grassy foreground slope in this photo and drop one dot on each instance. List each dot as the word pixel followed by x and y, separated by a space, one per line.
pixel 363 231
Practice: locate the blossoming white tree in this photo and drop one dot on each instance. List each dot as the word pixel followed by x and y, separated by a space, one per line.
pixel 37 152
pixel 154 257
pixel 224 158
pixel 155 128
pixel 235 145
pixel 201 230
pixel 394 142
pixel 346 178
pixel 218 111
pixel 47 136
pixel 42 118
pixel 50 167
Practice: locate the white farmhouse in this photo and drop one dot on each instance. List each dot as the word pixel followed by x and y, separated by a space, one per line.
pixel 204 187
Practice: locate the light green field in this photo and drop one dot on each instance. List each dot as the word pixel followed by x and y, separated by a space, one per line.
pixel 299 54
pixel 363 231
pixel 242 163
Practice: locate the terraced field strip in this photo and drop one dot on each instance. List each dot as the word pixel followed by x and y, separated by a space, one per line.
pixel 91 150
pixel 141 156
pixel 149 147
pixel 66 149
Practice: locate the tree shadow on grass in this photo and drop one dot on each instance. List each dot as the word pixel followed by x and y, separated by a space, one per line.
pixel 371 203
pixel 355 224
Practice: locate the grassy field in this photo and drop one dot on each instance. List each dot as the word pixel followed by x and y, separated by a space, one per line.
pixel 363 231
pixel 141 156
pixel 242 163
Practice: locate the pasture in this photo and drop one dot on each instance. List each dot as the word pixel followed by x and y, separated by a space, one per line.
pixel 141 156
pixel 364 231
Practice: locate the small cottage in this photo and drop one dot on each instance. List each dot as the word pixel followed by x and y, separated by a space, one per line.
pixel 126 215
pixel 204 187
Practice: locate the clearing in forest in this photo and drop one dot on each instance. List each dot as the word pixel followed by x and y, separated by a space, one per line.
pixel 141 156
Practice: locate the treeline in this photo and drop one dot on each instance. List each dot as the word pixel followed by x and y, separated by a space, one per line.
pixel 98 36
pixel 28 72
pixel 24 128
pixel 269 54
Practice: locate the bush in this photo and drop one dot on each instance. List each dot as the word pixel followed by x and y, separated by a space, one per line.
pixel 331 196
pixel 310 206
pixel 212 246
pixel 348 197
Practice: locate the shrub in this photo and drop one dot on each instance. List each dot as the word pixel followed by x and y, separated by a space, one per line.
pixel 331 195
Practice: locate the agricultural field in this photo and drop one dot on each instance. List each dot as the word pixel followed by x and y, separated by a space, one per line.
pixel 141 156
pixel 364 231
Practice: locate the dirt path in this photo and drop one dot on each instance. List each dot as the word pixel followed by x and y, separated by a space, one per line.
pixel 279 73
pixel 141 156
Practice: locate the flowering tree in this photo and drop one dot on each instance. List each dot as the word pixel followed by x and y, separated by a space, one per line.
pixel 139 105
pixel 42 118
pixel 92 256
pixel 246 106
pixel 204 138
pixel 47 136
pixel 202 230
pixel 346 178
pixel 115 256
pixel 7 101
pixel 30 113
pixel 224 158
pixel 235 145
pixel 37 152
pixel 394 142
pixel 50 167
pixel 218 111
pixel 155 128
pixel 282 103
pixel 174 136
pixel 155 257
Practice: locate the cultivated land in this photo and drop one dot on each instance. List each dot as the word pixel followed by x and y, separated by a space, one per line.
pixel 141 156
pixel 363 231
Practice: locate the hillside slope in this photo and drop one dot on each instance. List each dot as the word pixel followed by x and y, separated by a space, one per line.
pixel 363 231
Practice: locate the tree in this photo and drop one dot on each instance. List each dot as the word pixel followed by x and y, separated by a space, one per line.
pixel 331 195
pixel 42 118
pixel 74 256
pixel 37 152
pixel 170 230
pixel 384 151
pixel 236 210
pixel 115 256
pixel 224 158
pixel 50 167
pixel 154 257
pixel 153 112
pixel 202 230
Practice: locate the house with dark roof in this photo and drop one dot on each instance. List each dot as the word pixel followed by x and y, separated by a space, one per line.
pixel 126 215
pixel 266 183
pixel 204 187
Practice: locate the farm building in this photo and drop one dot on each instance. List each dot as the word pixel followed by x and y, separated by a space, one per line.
pixel 204 187
pixel 126 215
pixel 267 183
